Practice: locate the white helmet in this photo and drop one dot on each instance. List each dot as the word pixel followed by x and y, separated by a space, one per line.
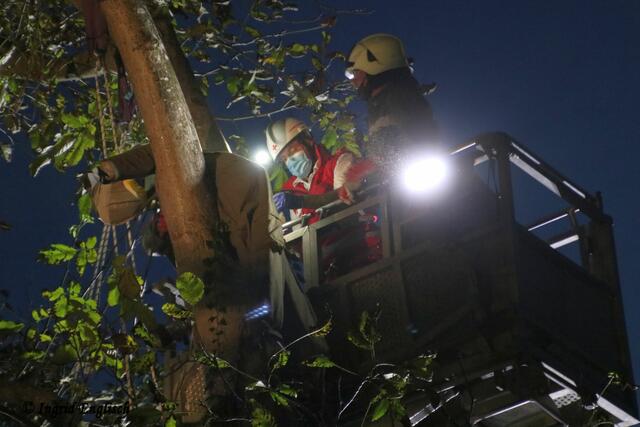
pixel 282 132
pixel 375 54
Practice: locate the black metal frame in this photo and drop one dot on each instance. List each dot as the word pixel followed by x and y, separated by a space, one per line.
pixel 504 151
pixel 595 238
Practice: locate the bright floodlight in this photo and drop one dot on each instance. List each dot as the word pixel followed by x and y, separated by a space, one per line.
pixel 262 158
pixel 425 174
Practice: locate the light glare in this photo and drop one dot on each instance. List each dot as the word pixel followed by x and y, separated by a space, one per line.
pixel 425 174
pixel 262 158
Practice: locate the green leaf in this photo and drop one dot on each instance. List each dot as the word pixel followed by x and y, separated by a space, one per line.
pixel 113 363
pixel 358 341
pixel 367 328
pixel 34 355
pixel 61 307
pixel 260 417
pixel 326 38
pixel 58 253
pixel 287 390
pixel 6 151
pixel 282 394
pixel 380 410
pixel 125 343
pixel 297 50
pixel 10 326
pixel 75 152
pixel 113 297
pixel 277 176
pixel 282 359
pixel 233 84
pixel 191 287
pixel 55 295
pixel 130 309
pixel 212 361
pixel 422 365
pixel 174 311
pixel 129 284
pixel 86 255
pixel 84 208
pixel 75 122
pixel 91 242
pixel 279 399
pixel 141 364
pixel 143 333
pixel 319 362
pixel 398 411
pixel 324 330
pixel 74 289
pixel 252 31
pixel 330 139
pixel 41 314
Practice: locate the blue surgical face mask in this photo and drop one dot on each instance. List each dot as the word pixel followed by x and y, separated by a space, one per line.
pixel 299 164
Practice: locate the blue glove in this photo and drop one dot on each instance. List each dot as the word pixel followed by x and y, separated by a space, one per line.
pixel 285 200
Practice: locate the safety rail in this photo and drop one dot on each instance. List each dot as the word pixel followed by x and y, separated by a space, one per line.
pixel 598 256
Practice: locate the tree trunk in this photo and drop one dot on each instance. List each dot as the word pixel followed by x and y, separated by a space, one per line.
pixel 180 168
pixel 186 201
pixel 210 135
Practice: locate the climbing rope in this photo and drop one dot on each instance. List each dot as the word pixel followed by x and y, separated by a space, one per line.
pixel 93 291
pixel 100 112
pixel 114 131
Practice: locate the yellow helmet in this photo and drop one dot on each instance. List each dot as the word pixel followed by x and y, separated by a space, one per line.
pixel 375 54
pixel 282 132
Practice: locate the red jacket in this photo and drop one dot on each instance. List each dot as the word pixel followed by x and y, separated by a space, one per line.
pixel 346 245
pixel 322 179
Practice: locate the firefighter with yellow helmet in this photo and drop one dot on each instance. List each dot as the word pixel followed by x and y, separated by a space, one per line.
pixel 399 117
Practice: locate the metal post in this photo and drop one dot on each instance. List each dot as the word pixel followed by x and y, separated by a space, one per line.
pixel 310 257
pixel 506 296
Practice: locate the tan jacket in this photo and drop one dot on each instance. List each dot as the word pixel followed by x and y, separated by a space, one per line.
pixel 243 198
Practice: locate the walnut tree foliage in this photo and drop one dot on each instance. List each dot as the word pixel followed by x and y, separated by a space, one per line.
pixel 258 58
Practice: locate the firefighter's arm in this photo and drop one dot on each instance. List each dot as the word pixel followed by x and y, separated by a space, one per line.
pixel 340 186
pixel 315 201
pixel 286 200
pixel 348 177
pixel 135 163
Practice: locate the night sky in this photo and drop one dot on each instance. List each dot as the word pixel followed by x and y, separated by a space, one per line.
pixel 562 77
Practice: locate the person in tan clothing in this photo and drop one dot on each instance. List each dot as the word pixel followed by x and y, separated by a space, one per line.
pixel 245 209
pixel 242 193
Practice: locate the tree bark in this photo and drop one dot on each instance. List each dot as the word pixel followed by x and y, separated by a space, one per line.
pixel 210 135
pixel 180 169
pixel 187 203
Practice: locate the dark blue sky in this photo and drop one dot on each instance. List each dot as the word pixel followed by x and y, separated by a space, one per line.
pixel 563 77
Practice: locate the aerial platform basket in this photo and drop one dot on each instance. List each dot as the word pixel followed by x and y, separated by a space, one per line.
pixel 458 275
